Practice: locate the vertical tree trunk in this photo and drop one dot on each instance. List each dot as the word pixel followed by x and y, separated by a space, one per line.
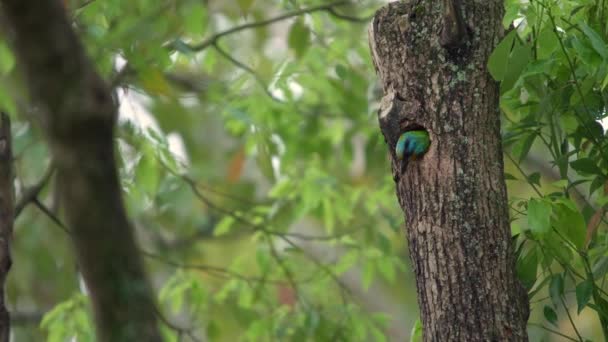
pixel 7 204
pixel 78 116
pixel 431 58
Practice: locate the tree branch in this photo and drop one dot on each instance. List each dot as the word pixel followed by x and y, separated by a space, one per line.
pixel 214 38
pixel 255 75
pixel 78 116
pixel 31 193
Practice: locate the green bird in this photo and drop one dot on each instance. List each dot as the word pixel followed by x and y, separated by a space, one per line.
pixel 411 145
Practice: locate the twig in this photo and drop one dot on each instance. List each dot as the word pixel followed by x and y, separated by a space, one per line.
pixel 248 70
pixel 553 331
pixel 256 227
pixel 333 12
pixel 523 173
pixel 288 274
pixel 51 215
pixel 30 194
pixel 214 38
pixel 261 228
pixel 220 271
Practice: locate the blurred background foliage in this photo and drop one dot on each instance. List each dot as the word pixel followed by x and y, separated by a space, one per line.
pixel 257 178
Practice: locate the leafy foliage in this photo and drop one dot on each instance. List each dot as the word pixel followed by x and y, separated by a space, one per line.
pixel 553 66
pixel 252 168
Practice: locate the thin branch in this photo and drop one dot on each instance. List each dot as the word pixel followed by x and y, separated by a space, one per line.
pixel 214 38
pixel 83 5
pixel 561 299
pixel 230 196
pixel 252 72
pixel 334 13
pixel 288 274
pixel 220 271
pixel 523 173
pixel 51 215
pixel 256 227
pixel 261 228
pixel 343 289
pixel 553 331
pixel 30 195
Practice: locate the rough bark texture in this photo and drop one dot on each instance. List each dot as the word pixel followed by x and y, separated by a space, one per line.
pixel 454 197
pixel 78 116
pixel 7 203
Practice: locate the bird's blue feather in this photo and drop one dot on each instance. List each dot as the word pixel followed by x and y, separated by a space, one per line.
pixel 411 144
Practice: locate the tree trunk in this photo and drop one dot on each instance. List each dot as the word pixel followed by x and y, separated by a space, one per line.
pixel 7 205
pixel 431 58
pixel 78 115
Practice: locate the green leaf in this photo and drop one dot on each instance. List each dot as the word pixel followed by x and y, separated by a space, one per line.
pixel 600 268
pixel 387 269
pixel 7 60
pixel 539 216
pixel 522 146
pixel 547 42
pixel 584 290
pixel 570 223
pixel 550 315
pixel 534 178
pixel 511 13
pixel 539 287
pixel 196 19
pixel 416 334
pixel 558 248
pixel 223 227
pixel 147 173
pixel 298 38
pixel 346 262
pixel 526 268
pixel 264 158
pixel 517 63
pixel 341 71
pixel 556 289
pixel 497 63
pixel 596 40
pixel 329 218
pixel 7 102
pixel 597 183
pixel 245 5
pixel 586 165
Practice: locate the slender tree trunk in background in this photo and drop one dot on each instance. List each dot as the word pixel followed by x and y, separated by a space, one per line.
pixel 431 58
pixel 78 117
pixel 7 205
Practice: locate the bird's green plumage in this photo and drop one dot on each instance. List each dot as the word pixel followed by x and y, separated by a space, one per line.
pixel 411 144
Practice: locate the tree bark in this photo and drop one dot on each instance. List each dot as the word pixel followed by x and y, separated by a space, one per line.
pixel 7 204
pixel 78 115
pixel 431 58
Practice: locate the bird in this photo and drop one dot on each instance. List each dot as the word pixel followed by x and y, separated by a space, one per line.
pixel 411 145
